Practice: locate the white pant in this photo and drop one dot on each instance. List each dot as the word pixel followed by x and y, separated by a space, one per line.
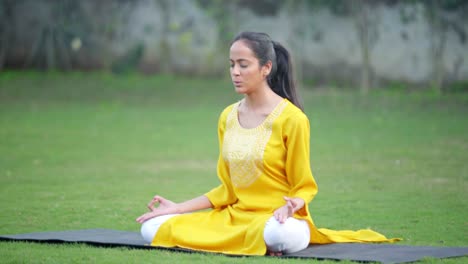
pixel 291 236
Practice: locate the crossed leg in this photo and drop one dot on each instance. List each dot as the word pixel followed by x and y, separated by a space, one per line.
pixel 291 236
pixel 151 226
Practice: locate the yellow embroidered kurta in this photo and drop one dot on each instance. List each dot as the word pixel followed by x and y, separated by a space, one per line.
pixel 257 168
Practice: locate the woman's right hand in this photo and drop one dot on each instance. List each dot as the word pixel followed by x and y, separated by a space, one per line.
pixel 165 207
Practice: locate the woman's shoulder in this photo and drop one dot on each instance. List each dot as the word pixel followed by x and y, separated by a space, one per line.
pixel 292 119
pixel 223 115
pixel 292 113
pixel 228 109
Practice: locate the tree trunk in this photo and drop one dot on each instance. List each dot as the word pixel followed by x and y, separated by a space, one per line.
pixel 50 49
pixel 361 15
pixel 438 41
pixel 3 46
pixel 6 26
pixel 165 49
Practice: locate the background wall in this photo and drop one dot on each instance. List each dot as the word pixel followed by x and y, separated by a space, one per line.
pixel 357 42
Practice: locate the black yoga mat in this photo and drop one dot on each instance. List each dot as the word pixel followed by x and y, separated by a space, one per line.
pixel 385 253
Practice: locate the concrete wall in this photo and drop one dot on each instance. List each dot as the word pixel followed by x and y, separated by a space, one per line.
pixel 182 36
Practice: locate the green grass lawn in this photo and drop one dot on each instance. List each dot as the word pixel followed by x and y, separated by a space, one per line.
pixel 87 150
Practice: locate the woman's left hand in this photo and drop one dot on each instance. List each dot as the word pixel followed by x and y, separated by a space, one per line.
pixel 292 206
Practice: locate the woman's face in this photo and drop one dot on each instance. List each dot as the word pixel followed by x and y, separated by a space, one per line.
pixel 246 73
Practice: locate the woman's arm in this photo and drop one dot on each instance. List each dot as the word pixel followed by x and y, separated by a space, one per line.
pixel 168 207
pixel 302 183
pixel 199 203
pixel 297 164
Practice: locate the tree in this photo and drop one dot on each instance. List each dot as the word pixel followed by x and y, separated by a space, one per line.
pixel 51 49
pixel 442 16
pixel 360 13
pixel 6 28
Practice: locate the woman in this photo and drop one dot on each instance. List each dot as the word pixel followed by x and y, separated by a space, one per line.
pixel 261 205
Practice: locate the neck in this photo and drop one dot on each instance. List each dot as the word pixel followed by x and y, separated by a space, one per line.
pixel 261 98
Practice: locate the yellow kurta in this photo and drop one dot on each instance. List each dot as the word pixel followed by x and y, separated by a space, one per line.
pixel 257 168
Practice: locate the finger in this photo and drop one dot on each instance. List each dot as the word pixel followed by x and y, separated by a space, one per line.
pixel 291 203
pixel 158 198
pixel 282 218
pixel 140 219
pixel 143 218
pixel 279 218
pixel 151 204
pixel 151 207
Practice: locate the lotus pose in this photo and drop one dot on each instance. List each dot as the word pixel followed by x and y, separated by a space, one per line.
pixel 266 184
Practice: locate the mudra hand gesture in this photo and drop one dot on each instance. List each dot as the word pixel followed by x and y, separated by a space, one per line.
pixel 292 206
pixel 165 207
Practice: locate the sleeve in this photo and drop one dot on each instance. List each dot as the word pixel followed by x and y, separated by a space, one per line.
pixel 298 171
pixel 223 194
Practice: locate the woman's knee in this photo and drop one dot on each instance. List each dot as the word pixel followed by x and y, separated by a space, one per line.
pixel 273 234
pixel 150 227
pixel 291 236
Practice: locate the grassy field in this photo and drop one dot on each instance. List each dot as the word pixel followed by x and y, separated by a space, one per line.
pixel 85 150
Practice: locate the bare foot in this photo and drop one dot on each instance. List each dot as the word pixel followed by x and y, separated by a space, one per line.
pixel 277 254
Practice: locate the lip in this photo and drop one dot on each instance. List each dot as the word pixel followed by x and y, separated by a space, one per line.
pixel 237 83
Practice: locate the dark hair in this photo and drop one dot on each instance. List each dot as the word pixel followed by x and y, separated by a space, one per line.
pixel 280 79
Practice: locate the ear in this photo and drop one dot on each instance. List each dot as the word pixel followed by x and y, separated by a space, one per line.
pixel 266 69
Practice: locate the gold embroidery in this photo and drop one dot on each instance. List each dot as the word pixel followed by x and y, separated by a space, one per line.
pixel 243 148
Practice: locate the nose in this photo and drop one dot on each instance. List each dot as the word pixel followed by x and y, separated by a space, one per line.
pixel 235 70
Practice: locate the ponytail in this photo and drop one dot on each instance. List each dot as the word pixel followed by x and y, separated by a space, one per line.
pixel 280 79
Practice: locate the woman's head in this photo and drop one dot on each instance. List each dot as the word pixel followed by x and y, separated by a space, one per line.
pixel 274 62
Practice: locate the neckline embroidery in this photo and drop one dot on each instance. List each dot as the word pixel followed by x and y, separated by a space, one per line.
pixel 243 148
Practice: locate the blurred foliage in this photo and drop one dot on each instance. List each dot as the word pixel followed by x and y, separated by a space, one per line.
pixel 69 33
pixel 258 7
pixel 221 12
pixel 91 34
pixel 342 7
pixel 129 62
pixel 461 86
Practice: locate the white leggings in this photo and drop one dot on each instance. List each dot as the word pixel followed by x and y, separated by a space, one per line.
pixel 291 236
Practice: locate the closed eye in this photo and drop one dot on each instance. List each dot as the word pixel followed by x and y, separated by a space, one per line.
pixel 243 63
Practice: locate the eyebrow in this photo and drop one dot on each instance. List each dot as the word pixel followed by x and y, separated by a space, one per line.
pixel 239 60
